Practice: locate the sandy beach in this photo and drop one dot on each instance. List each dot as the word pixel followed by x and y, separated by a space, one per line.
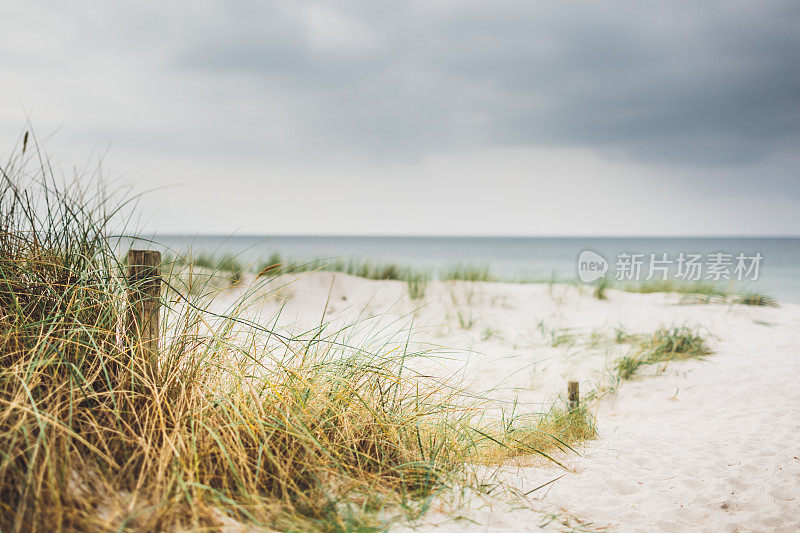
pixel 708 444
pixel 424 266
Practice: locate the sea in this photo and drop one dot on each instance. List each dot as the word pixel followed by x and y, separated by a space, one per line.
pixel 767 265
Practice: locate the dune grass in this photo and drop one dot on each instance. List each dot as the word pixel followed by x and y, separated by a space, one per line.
pixel 756 299
pixel 600 288
pixel 677 343
pixel 417 279
pixel 237 424
pixel 417 284
pixel 467 272
pixel 226 267
pixel 701 292
pixel 232 269
pixel 91 440
pixel 276 265
pixel 231 265
pixel 680 287
pixel 557 429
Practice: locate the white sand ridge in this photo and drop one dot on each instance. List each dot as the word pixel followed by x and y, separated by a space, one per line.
pixel 709 445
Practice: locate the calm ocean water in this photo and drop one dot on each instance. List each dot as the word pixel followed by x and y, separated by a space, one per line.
pixel 515 257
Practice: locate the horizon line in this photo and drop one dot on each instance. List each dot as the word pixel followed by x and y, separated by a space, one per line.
pixel 477 236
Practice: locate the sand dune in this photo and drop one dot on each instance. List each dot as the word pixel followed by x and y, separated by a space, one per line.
pixel 708 445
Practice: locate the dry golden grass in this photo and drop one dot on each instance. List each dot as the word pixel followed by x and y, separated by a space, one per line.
pixel 298 433
pixel 540 435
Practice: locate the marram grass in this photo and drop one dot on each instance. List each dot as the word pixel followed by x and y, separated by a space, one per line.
pixel 539 435
pixel 300 433
pixel 600 288
pixel 699 292
pixel 677 343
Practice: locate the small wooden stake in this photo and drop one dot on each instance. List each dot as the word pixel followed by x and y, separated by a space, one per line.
pixel 144 295
pixel 573 395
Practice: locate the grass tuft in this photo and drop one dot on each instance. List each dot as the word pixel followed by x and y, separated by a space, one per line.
pixel 756 299
pixel 702 293
pixel 276 266
pixel 417 284
pixel 679 287
pixel 233 267
pixel 600 288
pixel 672 344
pixel 539 435
pixel 467 272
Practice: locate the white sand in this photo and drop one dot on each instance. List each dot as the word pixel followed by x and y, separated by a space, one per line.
pixel 708 445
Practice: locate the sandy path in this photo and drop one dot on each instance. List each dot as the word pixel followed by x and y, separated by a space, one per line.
pixel 722 456
pixel 708 446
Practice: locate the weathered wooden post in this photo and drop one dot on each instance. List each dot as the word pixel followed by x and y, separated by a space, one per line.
pixel 573 395
pixel 144 299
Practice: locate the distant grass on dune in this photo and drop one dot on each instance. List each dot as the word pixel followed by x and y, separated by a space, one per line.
pixel 226 268
pixel 417 284
pixel 664 345
pixel 600 288
pixel 680 287
pixel 754 298
pixel 699 292
pixel 277 265
pixel 417 279
pixel 468 272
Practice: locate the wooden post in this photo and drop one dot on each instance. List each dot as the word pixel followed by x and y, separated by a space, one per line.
pixel 144 299
pixel 573 395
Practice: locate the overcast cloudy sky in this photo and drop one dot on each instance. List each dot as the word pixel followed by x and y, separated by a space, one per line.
pixel 420 117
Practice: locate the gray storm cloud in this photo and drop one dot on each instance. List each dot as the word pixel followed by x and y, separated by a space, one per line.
pixel 710 83
pixel 700 97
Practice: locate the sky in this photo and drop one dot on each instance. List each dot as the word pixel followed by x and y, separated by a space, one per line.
pixel 420 117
